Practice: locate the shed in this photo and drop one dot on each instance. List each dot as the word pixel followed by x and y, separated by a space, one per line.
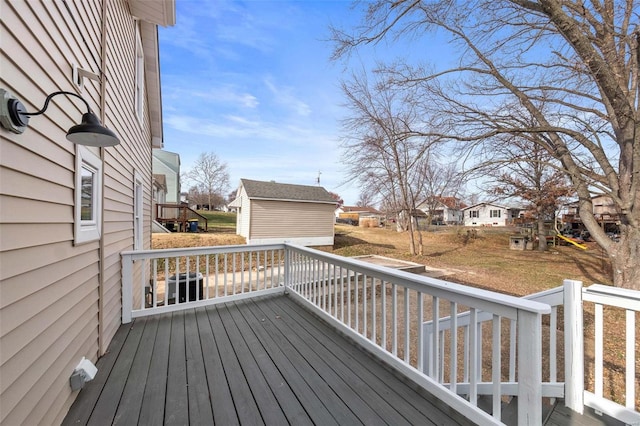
pixel 270 212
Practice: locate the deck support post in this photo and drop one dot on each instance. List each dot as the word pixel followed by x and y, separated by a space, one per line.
pixel 573 346
pixel 529 368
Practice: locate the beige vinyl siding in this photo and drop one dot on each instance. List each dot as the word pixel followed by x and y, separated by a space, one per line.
pixel 289 219
pixel 121 162
pixel 49 288
pixel 50 296
pixel 243 220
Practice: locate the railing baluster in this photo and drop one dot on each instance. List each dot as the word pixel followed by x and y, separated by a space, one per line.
pixel 630 358
pixel 342 294
pixel 453 374
pixel 198 295
pixel 356 304
pixel 349 297
pixel 206 279
pixel 598 349
pixel 225 275
pixel 394 319
pixel 406 325
pixel 217 260
pixel 373 310
pixel 496 368
pixel 242 255
pixel 512 350
pixel 154 284
pixel 364 306
pixel 473 356
pixel 383 330
pixel 435 344
pixel 553 369
pixel 166 281
pixel 420 320
pixel 335 291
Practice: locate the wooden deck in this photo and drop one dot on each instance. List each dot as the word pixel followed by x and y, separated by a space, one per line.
pixel 259 361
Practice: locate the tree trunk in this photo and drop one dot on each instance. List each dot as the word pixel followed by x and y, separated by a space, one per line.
pixel 542 235
pixel 412 241
pixel 625 258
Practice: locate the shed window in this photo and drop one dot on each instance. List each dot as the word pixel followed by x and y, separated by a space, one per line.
pixel 88 195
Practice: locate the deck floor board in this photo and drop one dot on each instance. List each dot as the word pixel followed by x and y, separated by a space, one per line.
pixel 265 360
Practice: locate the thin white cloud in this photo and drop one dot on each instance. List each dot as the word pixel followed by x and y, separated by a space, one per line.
pixel 283 96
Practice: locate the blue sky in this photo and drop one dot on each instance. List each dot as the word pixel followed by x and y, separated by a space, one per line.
pixel 252 82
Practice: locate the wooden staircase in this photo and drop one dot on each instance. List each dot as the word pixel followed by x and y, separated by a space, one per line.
pixel 177 217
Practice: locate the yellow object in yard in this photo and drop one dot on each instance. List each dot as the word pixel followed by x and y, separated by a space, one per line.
pixel 572 241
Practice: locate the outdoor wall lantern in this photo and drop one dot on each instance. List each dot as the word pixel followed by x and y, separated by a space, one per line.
pixel 14 117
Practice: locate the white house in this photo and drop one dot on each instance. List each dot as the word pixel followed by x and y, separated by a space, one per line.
pixel 445 210
pixel 486 214
pixel 270 212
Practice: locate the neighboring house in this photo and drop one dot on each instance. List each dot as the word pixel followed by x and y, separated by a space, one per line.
pixel 357 212
pixel 159 184
pixel 487 214
pixel 168 164
pixel 69 210
pixel 270 212
pixel 604 212
pixel 444 210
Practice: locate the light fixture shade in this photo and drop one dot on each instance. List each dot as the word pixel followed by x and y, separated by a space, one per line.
pixel 92 133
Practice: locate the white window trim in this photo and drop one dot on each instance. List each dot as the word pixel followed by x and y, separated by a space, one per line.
pixel 138 216
pixel 86 231
pixel 139 75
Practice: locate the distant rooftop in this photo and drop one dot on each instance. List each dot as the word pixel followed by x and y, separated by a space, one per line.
pixel 256 189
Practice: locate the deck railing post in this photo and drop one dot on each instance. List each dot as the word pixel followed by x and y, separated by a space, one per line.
pixel 529 368
pixel 573 346
pixel 287 266
pixel 127 288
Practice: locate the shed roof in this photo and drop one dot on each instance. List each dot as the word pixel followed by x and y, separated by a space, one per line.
pixel 256 189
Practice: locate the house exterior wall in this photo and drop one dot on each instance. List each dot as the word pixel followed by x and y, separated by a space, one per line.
pixel 303 223
pixel 480 215
pixel 243 217
pixel 168 164
pixel 60 301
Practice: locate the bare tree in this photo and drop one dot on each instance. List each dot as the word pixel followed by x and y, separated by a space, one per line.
pixel 529 173
pixel 379 150
pixel 367 198
pixel 210 176
pixel 571 65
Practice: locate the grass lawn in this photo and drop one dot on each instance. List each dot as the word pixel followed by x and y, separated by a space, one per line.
pixel 219 221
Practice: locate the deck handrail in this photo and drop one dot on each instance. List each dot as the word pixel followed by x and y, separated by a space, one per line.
pixel 333 284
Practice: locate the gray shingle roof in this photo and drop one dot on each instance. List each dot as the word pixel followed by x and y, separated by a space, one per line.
pixel 285 191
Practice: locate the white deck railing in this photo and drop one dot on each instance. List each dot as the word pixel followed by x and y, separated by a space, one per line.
pixel 406 320
pixel 612 298
pixel 156 281
pixel 384 310
pixel 571 297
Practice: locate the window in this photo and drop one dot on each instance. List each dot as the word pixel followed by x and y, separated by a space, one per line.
pixel 494 213
pixel 139 95
pixel 474 213
pixel 138 219
pixel 88 196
